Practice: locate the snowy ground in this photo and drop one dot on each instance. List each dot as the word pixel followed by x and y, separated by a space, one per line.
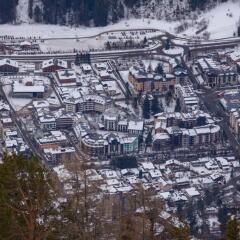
pixel 22 11
pixel 222 23
pixel 70 44
pixel 56 31
pixel 16 103
pixel 174 51
pixel 222 20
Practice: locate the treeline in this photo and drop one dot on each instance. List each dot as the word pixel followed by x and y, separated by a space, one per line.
pixel 7 10
pixel 80 12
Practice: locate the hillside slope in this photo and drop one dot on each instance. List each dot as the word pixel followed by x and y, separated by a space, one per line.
pixel 98 12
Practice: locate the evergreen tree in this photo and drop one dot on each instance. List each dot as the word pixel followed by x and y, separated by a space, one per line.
pixel 159 69
pixel 150 69
pixel 135 102
pixel 155 105
pixel 100 13
pixel 239 31
pixel 149 138
pixel 178 106
pixel 30 9
pixel 194 4
pixel 77 59
pixel 7 10
pixel 37 14
pixel 167 44
pixel 145 40
pixel 27 199
pixel 146 108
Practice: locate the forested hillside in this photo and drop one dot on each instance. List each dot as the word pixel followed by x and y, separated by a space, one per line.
pixel 98 12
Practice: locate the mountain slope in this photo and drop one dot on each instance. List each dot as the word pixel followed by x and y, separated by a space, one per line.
pixel 97 12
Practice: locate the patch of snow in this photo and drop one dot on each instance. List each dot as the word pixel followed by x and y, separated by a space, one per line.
pixel 174 51
pixel 22 11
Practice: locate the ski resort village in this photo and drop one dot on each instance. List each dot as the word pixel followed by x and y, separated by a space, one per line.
pixel 142 109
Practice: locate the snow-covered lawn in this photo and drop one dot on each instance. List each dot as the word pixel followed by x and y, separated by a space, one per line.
pixel 174 51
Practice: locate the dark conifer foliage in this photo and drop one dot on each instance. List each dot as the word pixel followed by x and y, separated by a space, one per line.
pixel 7 10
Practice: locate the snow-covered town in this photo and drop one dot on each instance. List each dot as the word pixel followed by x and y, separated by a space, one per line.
pixel 143 105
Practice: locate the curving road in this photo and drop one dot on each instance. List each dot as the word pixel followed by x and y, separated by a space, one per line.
pixel 189 45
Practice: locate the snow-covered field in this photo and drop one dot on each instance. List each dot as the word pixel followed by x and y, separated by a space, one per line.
pixel 222 22
pixel 70 44
pixel 174 51
pixel 56 31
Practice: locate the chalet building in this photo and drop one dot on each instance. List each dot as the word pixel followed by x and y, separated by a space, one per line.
pixel 189 100
pixel 65 121
pixel 233 59
pixel 178 70
pixel 143 81
pixel 91 103
pixel 95 144
pixel 53 65
pixel 47 122
pixel 234 120
pixel 216 74
pixel 86 68
pixel 113 122
pixel 54 140
pixel 58 155
pixel 184 130
pixel 8 66
pixel 25 45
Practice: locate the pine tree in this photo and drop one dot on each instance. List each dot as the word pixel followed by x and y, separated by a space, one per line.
pixel 159 69
pixel 146 108
pixel 167 44
pixel 145 40
pixel 30 9
pixel 77 59
pixel 37 14
pixel 27 199
pixel 149 139
pixel 178 106
pixel 155 105
pixel 150 69
pixel 239 31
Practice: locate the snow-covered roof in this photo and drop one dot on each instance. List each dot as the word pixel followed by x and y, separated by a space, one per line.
pixel 9 62
pixel 52 62
pixel 192 192
pixel 28 89
pixel 40 104
pixel 135 125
